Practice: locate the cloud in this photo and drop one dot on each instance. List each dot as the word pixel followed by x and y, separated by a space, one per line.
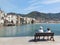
pixel 36 2
pixel 35 5
pixel 32 1
pixel 50 1
pixel 31 5
pixel 30 8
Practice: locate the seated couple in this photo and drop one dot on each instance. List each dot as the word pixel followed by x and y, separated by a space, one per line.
pixel 41 30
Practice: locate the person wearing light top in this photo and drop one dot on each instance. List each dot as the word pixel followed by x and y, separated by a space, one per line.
pixel 48 30
pixel 41 29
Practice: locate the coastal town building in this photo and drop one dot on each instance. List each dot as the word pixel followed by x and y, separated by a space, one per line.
pixel 2 14
pixel 28 20
pixel 13 19
pixel 20 20
pixel 10 19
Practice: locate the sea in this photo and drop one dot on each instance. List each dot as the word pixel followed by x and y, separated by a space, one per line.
pixel 27 29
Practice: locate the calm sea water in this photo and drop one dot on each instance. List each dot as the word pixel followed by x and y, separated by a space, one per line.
pixel 27 30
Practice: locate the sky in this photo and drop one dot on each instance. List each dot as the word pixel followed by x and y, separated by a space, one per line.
pixel 26 6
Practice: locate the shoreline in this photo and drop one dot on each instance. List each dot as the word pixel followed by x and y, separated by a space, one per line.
pixel 47 23
pixel 22 36
pixel 26 24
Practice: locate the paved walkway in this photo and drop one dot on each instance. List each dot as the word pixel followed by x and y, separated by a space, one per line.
pixel 25 41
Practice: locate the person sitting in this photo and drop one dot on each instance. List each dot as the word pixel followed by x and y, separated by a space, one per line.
pixel 41 29
pixel 48 30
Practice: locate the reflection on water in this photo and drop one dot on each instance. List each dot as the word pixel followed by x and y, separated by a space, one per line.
pixel 27 30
